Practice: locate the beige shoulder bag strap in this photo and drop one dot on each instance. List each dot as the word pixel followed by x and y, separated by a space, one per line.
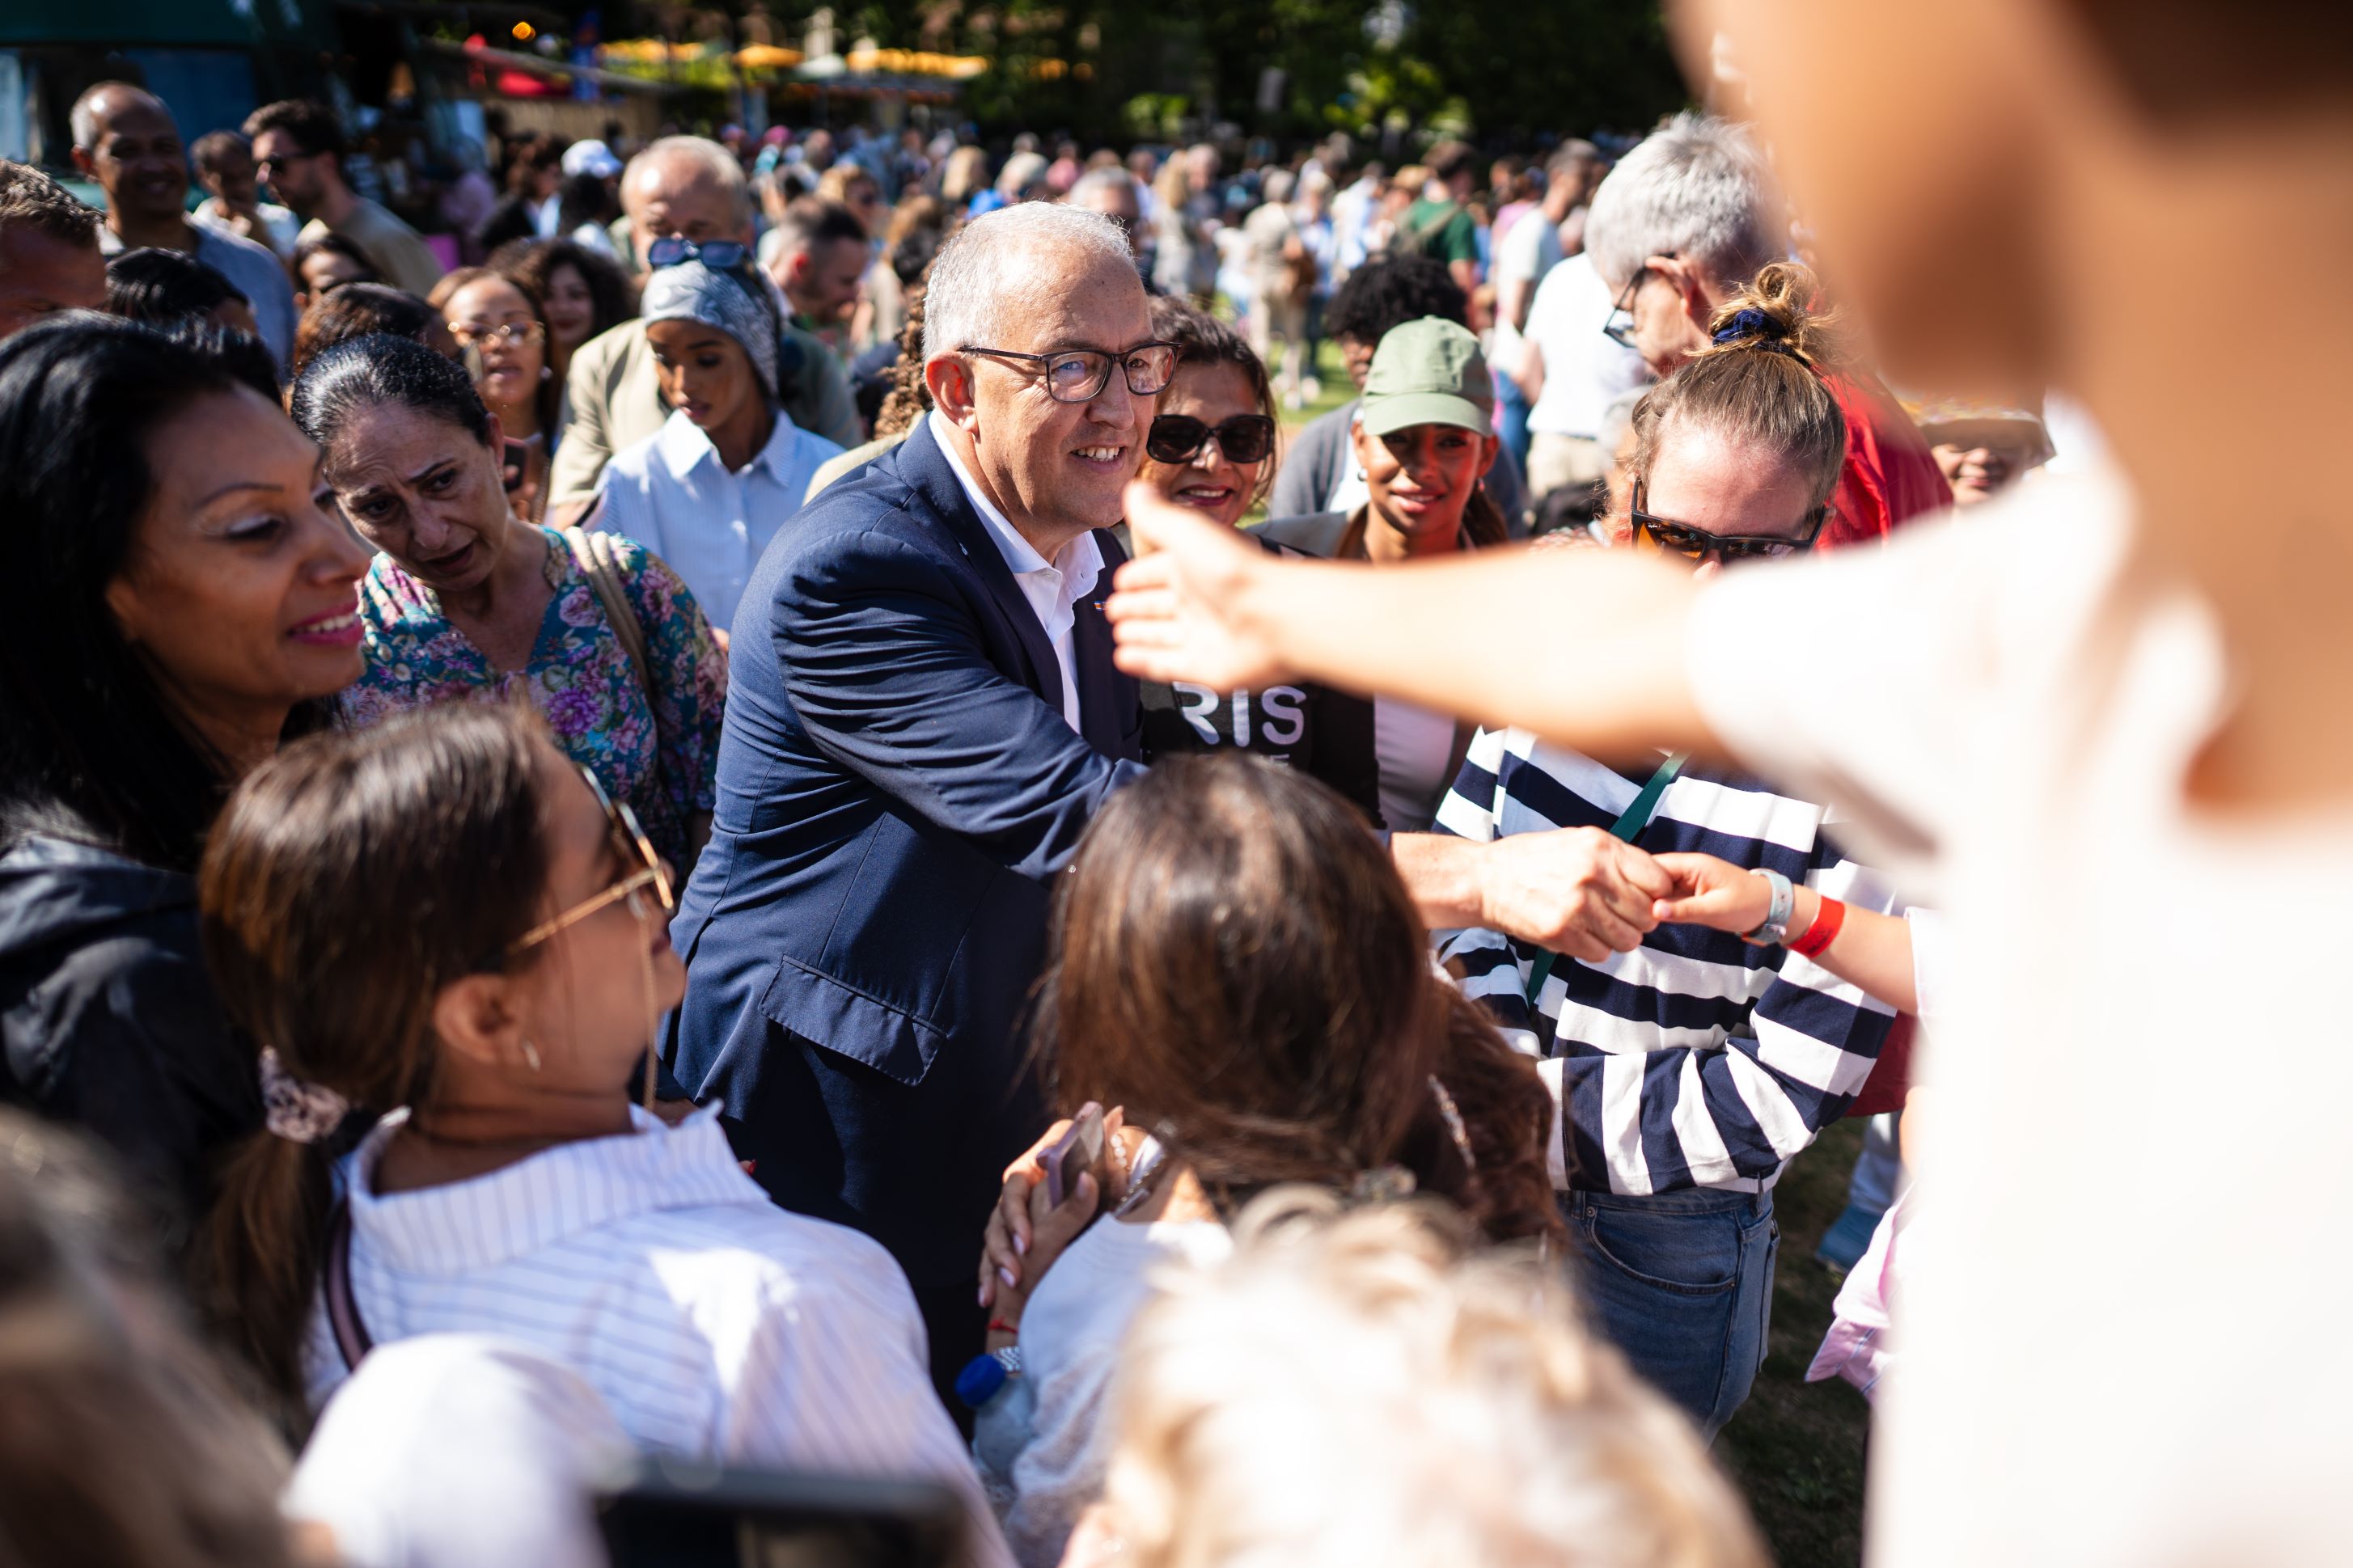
pixel 602 567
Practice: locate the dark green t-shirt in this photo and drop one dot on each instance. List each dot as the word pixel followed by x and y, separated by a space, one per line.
pixel 1442 229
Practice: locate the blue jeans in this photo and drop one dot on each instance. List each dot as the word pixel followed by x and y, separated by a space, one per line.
pixel 1682 1284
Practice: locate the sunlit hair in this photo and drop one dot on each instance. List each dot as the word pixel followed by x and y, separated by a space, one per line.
pixel 1696 188
pixel 1236 961
pixel 1364 1390
pixel 1759 385
pixel 120 1442
pixel 996 266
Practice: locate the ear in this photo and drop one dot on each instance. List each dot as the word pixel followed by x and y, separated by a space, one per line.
pixel 1488 447
pixel 85 164
pixel 123 600
pixel 475 1016
pixel 949 377
pixel 1689 286
pixel 495 440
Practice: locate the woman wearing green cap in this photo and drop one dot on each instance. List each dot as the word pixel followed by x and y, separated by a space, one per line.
pixel 1424 434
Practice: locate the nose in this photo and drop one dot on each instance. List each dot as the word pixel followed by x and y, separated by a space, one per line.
pixel 1710 564
pixel 341 556
pixel 1114 404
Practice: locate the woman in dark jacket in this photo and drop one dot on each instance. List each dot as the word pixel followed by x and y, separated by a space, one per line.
pixel 188 602
pixel 1424 433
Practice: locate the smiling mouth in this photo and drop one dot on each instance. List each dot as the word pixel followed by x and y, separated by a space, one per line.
pixel 1210 496
pixel 341 629
pixel 1103 455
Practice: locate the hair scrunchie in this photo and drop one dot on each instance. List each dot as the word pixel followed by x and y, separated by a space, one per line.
pixel 298 1111
pixel 1750 323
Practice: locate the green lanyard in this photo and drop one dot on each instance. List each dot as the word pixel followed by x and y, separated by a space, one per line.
pixel 1628 828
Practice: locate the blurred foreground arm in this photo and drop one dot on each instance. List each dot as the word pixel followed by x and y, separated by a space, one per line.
pixel 1585 647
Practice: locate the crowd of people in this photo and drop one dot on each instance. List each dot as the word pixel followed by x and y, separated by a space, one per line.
pixel 758 809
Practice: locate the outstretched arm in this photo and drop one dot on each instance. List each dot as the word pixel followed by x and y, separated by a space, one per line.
pixel 1871 950
pixel 1474 635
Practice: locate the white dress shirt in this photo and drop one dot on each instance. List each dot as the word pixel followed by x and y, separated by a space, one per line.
pixel 672 494
pixel 459 1451
pixel 1053 588
pixel 711 1322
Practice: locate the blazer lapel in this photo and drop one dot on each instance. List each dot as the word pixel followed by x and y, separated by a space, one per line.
pixel 925 469
pixel 1107 698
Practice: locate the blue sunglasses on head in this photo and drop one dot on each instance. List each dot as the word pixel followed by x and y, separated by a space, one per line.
pixel 719 255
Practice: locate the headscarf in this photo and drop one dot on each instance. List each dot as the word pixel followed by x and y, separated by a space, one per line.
pixel 690 291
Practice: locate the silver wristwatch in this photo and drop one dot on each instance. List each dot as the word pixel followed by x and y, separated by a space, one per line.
pixel 1774 930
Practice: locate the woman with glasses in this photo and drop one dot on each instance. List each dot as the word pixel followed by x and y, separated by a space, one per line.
pixel 1211 448
pixel 1692 1063
pixel 1424 434
pixel 446 923
pixel 467 603
pixel 501 333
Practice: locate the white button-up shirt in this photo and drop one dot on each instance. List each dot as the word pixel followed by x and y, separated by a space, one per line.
pixel 1052 587
pixel 711 1322
pixel 672 494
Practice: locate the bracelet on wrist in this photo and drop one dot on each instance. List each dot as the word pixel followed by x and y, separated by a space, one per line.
pixel 1818 936
pixel 1781 906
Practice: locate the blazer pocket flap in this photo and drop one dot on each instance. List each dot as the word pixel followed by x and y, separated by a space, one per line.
pixel 850 1023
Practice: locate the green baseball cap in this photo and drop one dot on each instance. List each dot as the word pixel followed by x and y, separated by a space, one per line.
pixel 1428 372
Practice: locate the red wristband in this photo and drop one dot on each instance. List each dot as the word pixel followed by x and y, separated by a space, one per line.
pixel 999 1326
pixel 1827 918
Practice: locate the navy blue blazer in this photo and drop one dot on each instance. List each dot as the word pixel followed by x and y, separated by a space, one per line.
pixel 897 788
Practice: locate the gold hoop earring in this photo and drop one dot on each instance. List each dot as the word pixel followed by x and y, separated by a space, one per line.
pixel 531 1055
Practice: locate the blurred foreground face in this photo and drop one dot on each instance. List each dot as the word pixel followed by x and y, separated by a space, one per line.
pixel 1907 135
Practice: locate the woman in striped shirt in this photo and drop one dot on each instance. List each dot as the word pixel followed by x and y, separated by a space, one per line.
pixel 442 920
pixel 1690 1065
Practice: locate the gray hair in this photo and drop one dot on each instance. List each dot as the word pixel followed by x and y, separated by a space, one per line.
pixel 1277 186
pixel 1697 188
pixel 713 162
pixel 1003 260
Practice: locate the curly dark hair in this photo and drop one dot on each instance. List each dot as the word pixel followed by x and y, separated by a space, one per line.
pixel 1390 291
pixel 530 263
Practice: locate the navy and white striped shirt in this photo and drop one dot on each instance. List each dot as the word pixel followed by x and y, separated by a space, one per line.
pixel 1695 1060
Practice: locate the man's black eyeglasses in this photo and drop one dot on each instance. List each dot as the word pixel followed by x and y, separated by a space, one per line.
pixel 1619 325
pixel 1176 437
pixel 1698 545
pixel 719 255
pixel 1079 375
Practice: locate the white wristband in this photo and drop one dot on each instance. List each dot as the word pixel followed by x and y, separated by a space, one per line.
pixel 1774 929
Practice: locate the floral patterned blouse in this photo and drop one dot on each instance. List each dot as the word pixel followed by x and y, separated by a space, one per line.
pixel 662 758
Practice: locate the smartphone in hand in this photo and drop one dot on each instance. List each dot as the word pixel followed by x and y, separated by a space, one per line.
pixel 1072 1153
pixel 514 461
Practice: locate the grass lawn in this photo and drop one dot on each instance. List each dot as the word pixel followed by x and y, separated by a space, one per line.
pixel 1796 1448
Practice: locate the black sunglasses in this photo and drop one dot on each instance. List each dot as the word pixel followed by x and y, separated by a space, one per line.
pixel 1176 437
pixel 719 255
pixel 1697 544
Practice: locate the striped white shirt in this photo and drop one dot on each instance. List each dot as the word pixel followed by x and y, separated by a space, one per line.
pixel 711 1322
pixel 1695 1060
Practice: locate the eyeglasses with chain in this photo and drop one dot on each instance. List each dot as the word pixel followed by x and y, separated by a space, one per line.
pixel 635 849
